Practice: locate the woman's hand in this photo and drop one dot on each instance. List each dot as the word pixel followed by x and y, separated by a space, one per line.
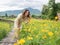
pixel 28 21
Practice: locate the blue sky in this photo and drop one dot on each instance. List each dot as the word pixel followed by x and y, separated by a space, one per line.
pixel 21 4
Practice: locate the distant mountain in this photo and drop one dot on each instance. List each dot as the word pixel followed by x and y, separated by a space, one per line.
pixel 33 11
pixel 16 12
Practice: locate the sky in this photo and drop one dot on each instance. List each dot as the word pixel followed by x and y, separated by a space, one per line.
pixel 21 4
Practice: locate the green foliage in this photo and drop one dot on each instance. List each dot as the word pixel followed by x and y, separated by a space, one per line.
pixel 35 16
pixel 6 15
pixel 40 32
pixel 58 7
pixel 45 10
pixel 50 11
pixel 4 29
pixel 2 34
pixel 44 16
pixel 58 42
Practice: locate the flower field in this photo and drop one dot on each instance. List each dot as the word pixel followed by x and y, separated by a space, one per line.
pixel 40 32
pixel 4 29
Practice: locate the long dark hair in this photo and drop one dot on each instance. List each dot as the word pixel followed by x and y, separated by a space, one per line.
pixel 28 16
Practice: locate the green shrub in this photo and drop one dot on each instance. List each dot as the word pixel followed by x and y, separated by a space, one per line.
pixel 4 29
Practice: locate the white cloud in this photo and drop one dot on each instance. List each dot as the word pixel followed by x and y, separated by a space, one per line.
pixel 20 4
pixel 57 1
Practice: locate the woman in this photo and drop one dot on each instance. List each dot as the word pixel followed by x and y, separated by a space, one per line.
pixel 23 17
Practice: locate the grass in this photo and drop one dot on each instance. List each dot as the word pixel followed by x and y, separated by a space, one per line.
pixel 40 32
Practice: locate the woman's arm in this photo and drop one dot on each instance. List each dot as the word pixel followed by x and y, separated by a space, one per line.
pixel 28 20
pixel 17 21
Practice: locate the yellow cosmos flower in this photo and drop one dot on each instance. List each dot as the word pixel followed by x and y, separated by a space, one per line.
pixel 44 30
pixel 29 38
pixel 56 17
pixel 45 24
pixel 44 37
pixel 29 30
pixel 50 33
pixel 15 43
pixel 21 41
pixel 36 36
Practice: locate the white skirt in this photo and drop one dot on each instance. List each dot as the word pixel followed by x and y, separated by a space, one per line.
pixel 16 26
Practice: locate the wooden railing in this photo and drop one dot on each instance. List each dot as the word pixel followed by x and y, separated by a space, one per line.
pixel 5 20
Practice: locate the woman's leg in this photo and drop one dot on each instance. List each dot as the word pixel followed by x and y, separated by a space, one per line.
pixel 17 32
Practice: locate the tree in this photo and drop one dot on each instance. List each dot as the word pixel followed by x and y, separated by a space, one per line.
pixel 45 10
pixel 6 15
pixel 52 9
pixel 58 7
